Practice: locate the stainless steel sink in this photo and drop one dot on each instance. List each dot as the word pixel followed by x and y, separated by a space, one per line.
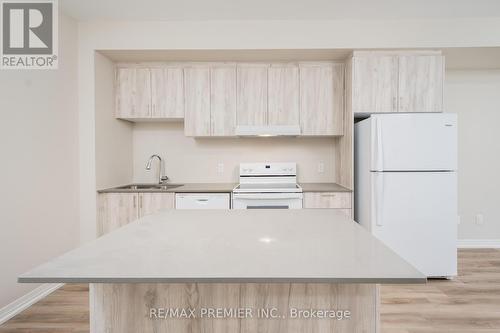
pixel 149 187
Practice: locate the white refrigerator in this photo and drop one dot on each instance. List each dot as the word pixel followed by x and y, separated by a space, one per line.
pixel 406 186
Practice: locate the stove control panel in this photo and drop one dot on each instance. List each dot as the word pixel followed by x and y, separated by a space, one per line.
pixel 268 169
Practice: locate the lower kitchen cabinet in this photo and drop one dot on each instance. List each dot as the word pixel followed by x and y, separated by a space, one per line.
pixel 342 201
pixel 118 209
pixel 150 203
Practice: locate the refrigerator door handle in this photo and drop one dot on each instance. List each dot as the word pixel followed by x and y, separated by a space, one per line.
pixel 378 199
pixel 379 152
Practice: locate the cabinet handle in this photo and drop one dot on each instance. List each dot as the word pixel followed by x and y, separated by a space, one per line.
pixel 401 104
pixel 135 203
pixel 328 194
pixel 394 102
pixel 140 202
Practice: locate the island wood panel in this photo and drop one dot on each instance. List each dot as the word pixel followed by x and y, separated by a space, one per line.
pixel 375 83
pixel 150 203
pixel 252 93
pixel 468 303
pixel 126 307
pixel 167 93
pixel 133 93
pixel 116 210
pixel 421 83
pixel 322 98
pixel 283 95
pixel 327 200
pixel 197 101
pixel 223 100
pixel 345 145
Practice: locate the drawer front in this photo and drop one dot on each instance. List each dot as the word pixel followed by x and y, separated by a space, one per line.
pixel 327 200
pixel 202 201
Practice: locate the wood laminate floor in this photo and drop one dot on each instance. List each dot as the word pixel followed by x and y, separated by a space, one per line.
pixel 468 304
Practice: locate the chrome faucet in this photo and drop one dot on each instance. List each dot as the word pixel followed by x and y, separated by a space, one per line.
pixel 161 170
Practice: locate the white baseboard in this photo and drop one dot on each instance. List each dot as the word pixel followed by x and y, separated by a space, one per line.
pixel 478 243
pixel 25 301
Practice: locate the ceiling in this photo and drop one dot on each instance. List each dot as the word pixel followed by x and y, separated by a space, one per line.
pixel 86 10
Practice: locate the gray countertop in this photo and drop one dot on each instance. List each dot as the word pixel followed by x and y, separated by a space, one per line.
pixel 185 188
pixel 323 187
pixel 225 187
pixel 309 245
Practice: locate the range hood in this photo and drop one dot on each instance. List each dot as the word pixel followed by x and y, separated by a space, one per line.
pixel 268 130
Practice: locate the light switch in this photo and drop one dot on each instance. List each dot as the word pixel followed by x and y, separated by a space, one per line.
pixel 479 219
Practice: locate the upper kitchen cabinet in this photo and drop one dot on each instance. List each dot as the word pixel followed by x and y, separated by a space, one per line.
pixel 149 93
pixel 321 98
pixel 421 80
pixel 197 117
pixel 167 93
pixel 283 95
pixel 375 83
pixel 391 81
pixel 133 93
pixel 223 100
pixel 251 91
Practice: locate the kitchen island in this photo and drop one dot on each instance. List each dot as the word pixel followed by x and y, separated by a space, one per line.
pixel 310 270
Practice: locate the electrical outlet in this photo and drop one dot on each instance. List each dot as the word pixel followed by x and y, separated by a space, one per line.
pixel 220 168
pixel 458 219
pixel 479 219
pixel 321 167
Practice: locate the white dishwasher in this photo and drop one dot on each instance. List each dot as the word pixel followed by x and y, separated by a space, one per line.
pixel 202 201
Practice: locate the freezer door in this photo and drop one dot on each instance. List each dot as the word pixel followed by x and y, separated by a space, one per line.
pixel 415 214
pixel 406 142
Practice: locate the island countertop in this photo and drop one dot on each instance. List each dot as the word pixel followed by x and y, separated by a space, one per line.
pixel 225 246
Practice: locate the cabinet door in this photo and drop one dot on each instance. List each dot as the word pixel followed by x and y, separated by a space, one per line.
pixel 116 210
pixel 133 93
pixel 197 101
pixel 167 93
pixel 252 94
pixel 283 95
pixel 375 83
pixel 421 83
pixel 322 99
pixel 150 203
pixel 223 100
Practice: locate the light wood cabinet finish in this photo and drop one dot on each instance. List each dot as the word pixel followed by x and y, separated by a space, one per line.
pixel 133 93
pixel 223 100
pixel 283 95
pixel 116 210
pixel 327 200
pixel 375 83
pixel 125 307
pixel 252 94
pixel 197 101
pixel 150 203
pixel 321 99
pixel 421 80
pixel 167 93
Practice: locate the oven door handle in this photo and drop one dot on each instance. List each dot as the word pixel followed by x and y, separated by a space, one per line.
pixel 267 196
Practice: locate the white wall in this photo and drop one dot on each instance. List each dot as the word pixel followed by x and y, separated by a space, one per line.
pixel 39 171
pixel 319 34
pixel 113 139
pixel 475 96
pixel 189 160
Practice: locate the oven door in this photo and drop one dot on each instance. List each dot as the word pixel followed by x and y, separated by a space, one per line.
pixel 267 200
